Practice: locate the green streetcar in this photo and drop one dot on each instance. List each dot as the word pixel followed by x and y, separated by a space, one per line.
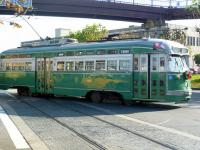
pixel 135 70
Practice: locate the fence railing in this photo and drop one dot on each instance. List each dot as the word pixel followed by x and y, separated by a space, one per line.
pixel 154 3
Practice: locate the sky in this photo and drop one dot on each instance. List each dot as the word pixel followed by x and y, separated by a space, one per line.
pixel 11 37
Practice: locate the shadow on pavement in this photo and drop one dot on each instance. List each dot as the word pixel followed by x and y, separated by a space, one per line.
pixel 72 107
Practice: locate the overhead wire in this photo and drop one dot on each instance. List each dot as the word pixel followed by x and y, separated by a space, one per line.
pixel 32 27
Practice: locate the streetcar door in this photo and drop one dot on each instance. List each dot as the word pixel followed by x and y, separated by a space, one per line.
pixel 48 76
pixel 44 81
pixel 157 76
pixel 140 76
pixel 40 74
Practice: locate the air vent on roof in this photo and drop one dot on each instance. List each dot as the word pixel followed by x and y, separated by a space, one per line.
pixel 49 42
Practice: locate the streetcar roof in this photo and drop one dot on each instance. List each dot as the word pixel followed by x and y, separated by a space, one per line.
pixel 148 43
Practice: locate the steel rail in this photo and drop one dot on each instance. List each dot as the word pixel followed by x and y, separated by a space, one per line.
pixel 117 126
pixel 84 137
pixel 87 139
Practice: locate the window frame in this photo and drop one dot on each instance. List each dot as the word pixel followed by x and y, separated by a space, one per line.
pixel 156 64
pixel 83 66
pixel 94 64
pixel 117 66
pixel 136 56
pixel 101 60
pixel 128 68
pixel 73 68
pixel 145 65
pixel 63 66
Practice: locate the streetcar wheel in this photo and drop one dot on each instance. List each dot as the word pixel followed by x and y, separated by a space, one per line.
pixel 24 91
pixel 20 91
pixel 27 92
pixel 96 97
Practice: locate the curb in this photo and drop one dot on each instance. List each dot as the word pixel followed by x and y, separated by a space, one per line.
pixel 195 88
pixel 32 139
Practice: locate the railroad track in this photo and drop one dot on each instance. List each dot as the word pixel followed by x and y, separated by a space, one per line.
pixel 119 127
pixel 83 137
pixel 88 139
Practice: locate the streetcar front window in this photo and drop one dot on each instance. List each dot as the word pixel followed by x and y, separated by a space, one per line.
pixel 177 64
pixel 180 50
pixel 185 60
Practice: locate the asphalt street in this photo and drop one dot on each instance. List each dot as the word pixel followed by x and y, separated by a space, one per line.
pixel 196 96
pixel 71 123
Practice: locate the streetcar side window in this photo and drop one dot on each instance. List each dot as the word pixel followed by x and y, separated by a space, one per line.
pixel 69 66
pixel 162 63
pixel 136 64
pixel 60 66
pixel 8 66
pixel 2 66
pixel 18 66
pixel 124 65
pixel 112 65
pixel 49 65
pixel 100 65
pixel 28 66
pixel 22 66
pixel 143 64
pixel 89 65
pixel 79 65
pixel 15 66
pixel 154 64
pixel 40 65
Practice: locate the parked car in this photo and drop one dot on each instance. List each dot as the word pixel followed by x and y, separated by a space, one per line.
pixel 195 70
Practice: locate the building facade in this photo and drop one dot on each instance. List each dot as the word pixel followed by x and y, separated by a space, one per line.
pixel 60 32
pixel 191 39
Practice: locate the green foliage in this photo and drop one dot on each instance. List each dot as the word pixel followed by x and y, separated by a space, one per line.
pixel 197 30
pixel 195 81
pixel 197 59
pixel 18 11
pixel 194 9
pixel 177 35
pixel 90 33
pixel 149 24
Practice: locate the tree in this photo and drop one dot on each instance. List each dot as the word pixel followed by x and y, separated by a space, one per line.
pixel 197 30
pixel 194 9
pixel 90 33
pixel 197 59
pixel 18 9
pixel 177 35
